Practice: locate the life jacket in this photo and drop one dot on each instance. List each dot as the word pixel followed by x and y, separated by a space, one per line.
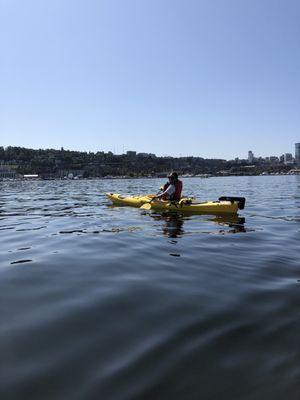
pixel 178 190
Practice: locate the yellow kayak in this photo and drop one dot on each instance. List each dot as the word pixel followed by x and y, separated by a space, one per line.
pixel 225 205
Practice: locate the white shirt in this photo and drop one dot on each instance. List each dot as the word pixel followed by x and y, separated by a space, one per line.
pixel 170 190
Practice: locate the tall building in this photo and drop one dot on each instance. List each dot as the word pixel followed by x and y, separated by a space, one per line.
pixel 288 159
pixel 297 153
pixel 250 157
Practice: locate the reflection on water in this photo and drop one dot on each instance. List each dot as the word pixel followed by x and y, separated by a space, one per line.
pixel 172 223
pixel 236 223
pixel 114 303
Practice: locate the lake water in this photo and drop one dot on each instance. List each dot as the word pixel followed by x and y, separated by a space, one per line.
pixel 101 302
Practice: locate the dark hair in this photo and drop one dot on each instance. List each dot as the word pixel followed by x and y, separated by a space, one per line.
pixel 173 175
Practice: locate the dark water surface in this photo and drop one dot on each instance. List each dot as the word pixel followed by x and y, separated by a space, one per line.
pixel 100 302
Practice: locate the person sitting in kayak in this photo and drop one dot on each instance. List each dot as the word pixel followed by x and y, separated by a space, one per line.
pixel 172 189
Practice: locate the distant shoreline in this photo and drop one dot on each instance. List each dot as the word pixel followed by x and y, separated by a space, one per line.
pixel 18 162
pixel 141 177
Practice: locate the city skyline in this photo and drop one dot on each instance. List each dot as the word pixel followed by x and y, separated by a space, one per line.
pixel 295 154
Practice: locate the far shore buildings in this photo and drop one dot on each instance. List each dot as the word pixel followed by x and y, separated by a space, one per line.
pixel 7 173
pixel 286 158
pixel 250 157
pixel 22 163
pixel 297 154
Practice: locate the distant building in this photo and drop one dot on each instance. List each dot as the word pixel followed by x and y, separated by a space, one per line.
pixel 7 173
pixel 274 159
pixel 250 157
pixel 297 153
pixel 69 173
pixel 131 154
pixel 288 159
pixel 143 155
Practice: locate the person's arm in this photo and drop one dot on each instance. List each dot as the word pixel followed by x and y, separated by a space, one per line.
pixel 169 191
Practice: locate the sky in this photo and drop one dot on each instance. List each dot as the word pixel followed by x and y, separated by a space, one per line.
pixel 208 78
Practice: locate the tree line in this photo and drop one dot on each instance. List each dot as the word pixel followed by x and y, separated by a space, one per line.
pixel 89 164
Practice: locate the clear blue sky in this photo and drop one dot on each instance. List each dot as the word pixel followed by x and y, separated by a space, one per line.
pixel 210 78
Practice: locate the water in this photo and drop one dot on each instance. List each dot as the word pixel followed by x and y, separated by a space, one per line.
pixel 101 302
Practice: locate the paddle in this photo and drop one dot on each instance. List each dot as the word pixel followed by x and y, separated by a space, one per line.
pixel 146 206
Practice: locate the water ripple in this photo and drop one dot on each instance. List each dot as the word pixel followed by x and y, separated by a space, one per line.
pixel 117 303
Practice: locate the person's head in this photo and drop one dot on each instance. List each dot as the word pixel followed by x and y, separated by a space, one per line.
pixel 173 177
